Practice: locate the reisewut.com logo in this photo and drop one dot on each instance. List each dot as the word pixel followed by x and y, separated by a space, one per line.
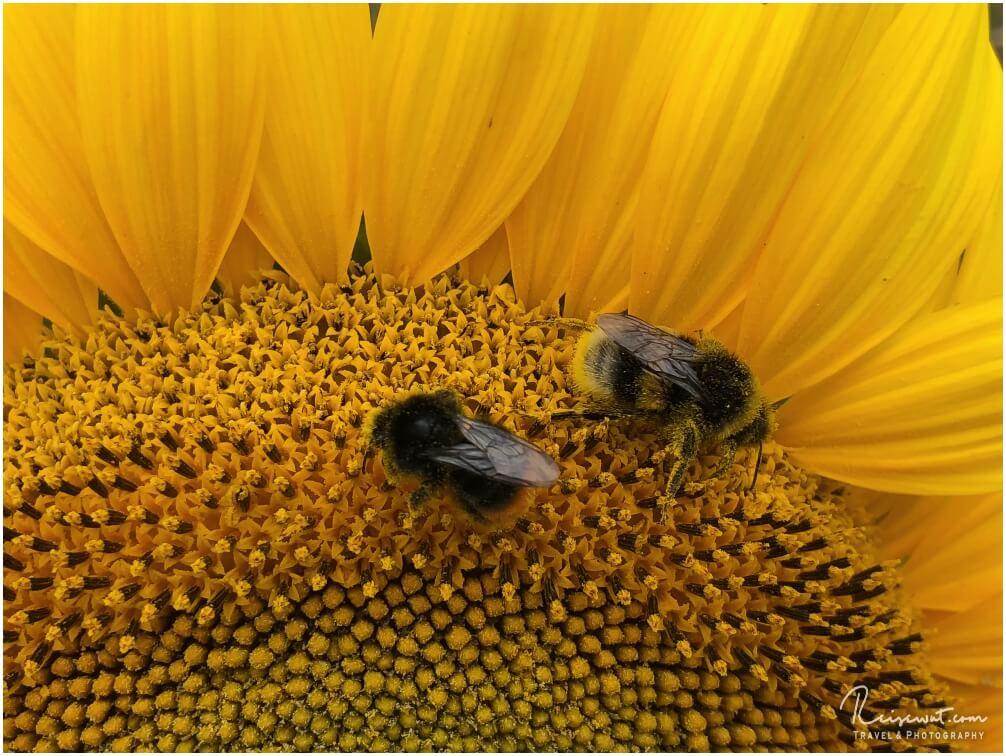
pixel 940 725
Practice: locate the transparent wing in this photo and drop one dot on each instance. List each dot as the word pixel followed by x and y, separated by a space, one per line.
pixel 498 455
pixel 666 355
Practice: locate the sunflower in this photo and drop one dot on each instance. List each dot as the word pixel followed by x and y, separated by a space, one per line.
pixel 198 552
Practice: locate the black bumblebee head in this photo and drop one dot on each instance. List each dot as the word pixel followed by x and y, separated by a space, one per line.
pixel 406 429
pixel 759 429
pixel 733 396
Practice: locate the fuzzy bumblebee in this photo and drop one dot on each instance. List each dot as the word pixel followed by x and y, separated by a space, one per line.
pixel 428 437
pixel 698 393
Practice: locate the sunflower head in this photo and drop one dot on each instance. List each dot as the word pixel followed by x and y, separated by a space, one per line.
pixel 165 523
pixel 202 548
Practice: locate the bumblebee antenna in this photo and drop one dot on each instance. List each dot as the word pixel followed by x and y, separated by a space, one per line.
pixel 754 478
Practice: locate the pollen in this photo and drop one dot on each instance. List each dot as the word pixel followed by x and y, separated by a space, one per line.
pixel 200 553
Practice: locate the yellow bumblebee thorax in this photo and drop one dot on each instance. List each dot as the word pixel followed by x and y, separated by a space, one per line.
pixel 589 374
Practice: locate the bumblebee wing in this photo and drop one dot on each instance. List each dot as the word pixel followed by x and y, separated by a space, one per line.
pixel 666 355
pixel 498 455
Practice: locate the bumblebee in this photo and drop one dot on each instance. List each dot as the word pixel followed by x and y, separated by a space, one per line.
pixel 428 437
pixel 697 392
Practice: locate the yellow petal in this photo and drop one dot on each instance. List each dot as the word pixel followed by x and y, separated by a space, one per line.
pixel 977 273
pixel 246 258
pixel 921 414
pixel 22 330
pixel 944 293
pixel 171 106
pixel 467 102
pixel 951 549
pixel 45 284
pixel 48 194
pixel 981 269
pixel 728 330
pixel 749 85
pixel 951 552
pixel 490 262
pixel 306 201
pixel 890 193
pixel 967 646
pixel 572 229
pixel 986 701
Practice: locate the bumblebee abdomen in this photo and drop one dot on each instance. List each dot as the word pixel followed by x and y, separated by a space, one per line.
pixel 480 495
pixel 604 369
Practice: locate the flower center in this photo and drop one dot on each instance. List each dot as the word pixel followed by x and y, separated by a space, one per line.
pixel 199 553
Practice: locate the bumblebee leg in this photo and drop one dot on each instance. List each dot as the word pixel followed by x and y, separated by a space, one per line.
pixel 729 451
pixel 684 445
pixel 588 414
pixel 572 324
pixel 757 467
pixel 543 421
